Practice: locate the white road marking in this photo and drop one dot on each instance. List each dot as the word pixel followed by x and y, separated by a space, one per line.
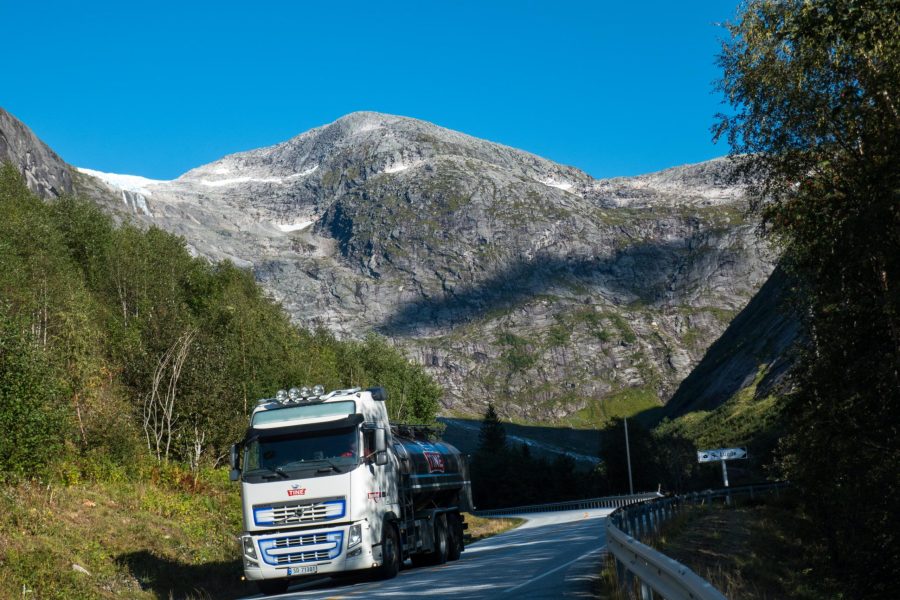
pixel 551 572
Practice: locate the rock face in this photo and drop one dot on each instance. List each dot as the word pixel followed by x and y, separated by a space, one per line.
pixel 760 338
pixel 510 277
pixel 45 173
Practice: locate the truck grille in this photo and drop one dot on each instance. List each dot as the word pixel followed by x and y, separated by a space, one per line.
pixel 292 513
pixel 303 548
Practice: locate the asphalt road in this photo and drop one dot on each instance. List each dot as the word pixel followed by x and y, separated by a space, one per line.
pixel 552 555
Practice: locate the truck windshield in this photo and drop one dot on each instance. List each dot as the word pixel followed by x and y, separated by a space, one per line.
pixel 329 450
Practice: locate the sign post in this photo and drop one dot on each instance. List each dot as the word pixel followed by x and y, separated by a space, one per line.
pixel 628 456
pixel 722 455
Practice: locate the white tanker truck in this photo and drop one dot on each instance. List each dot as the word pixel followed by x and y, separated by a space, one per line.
pixel 329 486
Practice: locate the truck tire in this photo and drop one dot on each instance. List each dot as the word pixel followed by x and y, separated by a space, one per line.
pixel 271 587
pixel 390 552
pixel 441 551
pixel 454 525
pixel 441 540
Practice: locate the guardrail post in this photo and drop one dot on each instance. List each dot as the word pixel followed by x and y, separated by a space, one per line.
pixel 646 594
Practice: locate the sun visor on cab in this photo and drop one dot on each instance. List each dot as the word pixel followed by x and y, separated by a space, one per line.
pixel 290 430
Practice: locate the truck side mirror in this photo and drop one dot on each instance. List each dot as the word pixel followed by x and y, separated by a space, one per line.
pixel 235 473
pixel 381 458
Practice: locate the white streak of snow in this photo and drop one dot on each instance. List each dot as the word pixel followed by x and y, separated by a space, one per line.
pixel 246 179
pixel 401 166
pixel 298 226
pixel 239 180
pixel 131 183
pixel 562 185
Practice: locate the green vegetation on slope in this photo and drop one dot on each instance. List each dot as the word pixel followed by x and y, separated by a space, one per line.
pixel 743 419
pixel 626 402
pixel 124 362
pixel 115 342
pixel 148 532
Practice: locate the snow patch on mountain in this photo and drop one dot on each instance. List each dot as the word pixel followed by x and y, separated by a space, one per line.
pixel 401 166
pixel 243 179
pixel 297 226
pixel 129 183
pixel 560 185
pixel 238 181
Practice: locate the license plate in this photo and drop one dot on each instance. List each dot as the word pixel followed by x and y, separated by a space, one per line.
pixel 302 570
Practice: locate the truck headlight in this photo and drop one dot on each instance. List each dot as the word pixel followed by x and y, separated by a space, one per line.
pixel 249 547
pixel 355 536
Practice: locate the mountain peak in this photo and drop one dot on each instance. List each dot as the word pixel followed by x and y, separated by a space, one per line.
pixel 503 272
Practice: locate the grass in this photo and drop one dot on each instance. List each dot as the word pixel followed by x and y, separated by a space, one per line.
pixel 169 535
pixel 751 552
pixel 754 551
pixel 626 402
pixel 741 419
pixel 481 527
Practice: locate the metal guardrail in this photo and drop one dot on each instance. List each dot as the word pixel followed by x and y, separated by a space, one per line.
pixel 654 571
pixel 605 502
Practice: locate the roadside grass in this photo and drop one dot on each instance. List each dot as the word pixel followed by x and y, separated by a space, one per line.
pixel 166 535
pixel 481 527
pixel 754 551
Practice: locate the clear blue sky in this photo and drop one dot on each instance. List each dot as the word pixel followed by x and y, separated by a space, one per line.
pixel 157 88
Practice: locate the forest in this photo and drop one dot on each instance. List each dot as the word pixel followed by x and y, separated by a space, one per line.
pixel 118 347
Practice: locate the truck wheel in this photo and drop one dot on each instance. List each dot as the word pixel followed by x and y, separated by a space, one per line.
pixel 441 551
pixel 390 552
pixel 454 523
pixel 271 587
pixel 441 540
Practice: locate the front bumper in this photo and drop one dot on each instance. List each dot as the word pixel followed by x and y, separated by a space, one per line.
pixel 301 552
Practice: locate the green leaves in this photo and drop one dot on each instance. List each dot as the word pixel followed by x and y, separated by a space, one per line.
pixel 815 87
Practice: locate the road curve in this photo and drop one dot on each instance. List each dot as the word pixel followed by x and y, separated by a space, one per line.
pixel 552 555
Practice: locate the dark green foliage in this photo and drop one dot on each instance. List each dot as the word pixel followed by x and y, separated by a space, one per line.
pixel 492 437
pixel 412 394
pixel 503 475
pixel 89 312
pixel 658 460
pixel 816 87
pixel 32 404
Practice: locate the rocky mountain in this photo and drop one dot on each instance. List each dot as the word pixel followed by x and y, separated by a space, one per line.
pixel 45 173
pixel 512 278
pixel 755 350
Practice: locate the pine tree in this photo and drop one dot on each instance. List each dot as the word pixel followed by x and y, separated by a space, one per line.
pixel 492 437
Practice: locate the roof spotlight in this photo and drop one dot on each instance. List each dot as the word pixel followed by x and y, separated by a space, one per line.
pixel 281 396
pixel 294 394
pixel 304 391
pixel 318 390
